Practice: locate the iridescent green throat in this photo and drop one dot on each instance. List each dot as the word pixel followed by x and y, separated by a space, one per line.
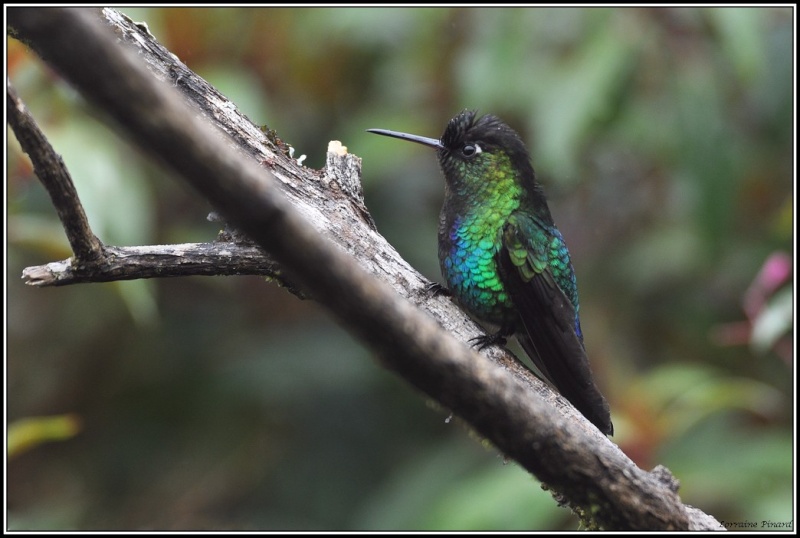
pixel 470 237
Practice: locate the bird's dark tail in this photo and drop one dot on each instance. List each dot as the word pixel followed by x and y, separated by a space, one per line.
pixel 567 368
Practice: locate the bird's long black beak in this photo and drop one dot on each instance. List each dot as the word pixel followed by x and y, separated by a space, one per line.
pixel 425 141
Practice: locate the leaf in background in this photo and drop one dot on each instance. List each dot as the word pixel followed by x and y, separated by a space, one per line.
pixel 773 322
pixel 738 476
pixel 581 92
pixel 27 433
pixel 44 234
pixel 455 486
pixel 116 196
pixel 683 395
pixel 741 38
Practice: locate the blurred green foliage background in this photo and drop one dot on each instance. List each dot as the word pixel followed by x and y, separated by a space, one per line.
pixel 663 137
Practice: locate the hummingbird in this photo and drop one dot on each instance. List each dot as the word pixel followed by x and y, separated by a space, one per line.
pixel 504 260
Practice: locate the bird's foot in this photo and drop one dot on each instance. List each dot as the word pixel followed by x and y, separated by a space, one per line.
pixel 434 289
pixel 500 337
pixel 487 340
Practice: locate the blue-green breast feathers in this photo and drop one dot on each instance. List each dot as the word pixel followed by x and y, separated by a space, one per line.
pixel 469 265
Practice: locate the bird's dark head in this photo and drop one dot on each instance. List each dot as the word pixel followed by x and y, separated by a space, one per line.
pixel 476 148
pixel 481 146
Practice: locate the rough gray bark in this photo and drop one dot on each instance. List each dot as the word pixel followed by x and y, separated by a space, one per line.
pixel 53 174
pixel 315 225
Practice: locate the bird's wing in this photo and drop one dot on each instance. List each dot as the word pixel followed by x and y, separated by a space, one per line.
pixel 551 330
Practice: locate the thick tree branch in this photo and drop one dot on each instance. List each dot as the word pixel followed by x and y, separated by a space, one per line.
pixel 315 226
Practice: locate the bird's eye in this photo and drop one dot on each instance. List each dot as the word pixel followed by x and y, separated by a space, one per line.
pixel 470 150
